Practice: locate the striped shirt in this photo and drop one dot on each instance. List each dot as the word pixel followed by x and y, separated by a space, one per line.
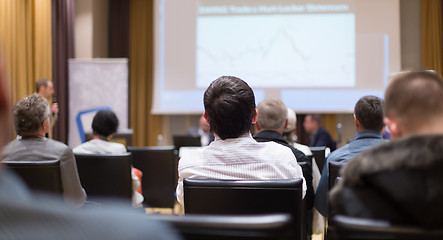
pixel 239 158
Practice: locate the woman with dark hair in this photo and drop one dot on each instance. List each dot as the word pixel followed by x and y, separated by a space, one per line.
pixel 104 126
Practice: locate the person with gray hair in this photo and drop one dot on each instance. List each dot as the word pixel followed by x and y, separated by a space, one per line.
pixel 272 119
pixel 32 122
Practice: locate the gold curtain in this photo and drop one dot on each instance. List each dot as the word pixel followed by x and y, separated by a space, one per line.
pixel 25 37
pixel 25 44
pixel 431 35
pixel 329 122
pixel 146 126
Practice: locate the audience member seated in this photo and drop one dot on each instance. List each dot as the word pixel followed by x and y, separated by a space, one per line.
pixel 318 136
pixel 104 126
pixel 31 119
pixel 271 121
pixel 289 133
pixel 202 131
pixel 230 110
pixel 30 216
pixel 400 181
pixel 368 120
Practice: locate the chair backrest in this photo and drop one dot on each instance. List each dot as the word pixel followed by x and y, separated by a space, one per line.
pixel 350 228
pixel 319 154
pixel 38 175
pixel 307 215
pixel 334 172
pixel 159 168
pixel 269 227
pixel 203 196
pixel 186 141
pixel 105 175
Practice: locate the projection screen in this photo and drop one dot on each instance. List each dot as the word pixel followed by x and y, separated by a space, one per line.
pixel 316 56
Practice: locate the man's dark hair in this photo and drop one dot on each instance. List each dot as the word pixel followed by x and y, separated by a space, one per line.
pixel 230 106
pixel 104 123
pixel 316 118
pixel 41 82
pixel 414 98
pixel 369 112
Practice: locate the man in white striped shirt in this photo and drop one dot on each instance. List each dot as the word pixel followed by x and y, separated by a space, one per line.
pixel 230 111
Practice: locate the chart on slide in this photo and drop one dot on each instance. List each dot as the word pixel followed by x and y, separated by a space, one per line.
pixel 278 50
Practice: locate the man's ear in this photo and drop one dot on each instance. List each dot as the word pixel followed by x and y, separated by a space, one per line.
pixel 254 118
pixel 286 123
pixel 393 127
pixel 205 116
pixel 45 125
pixel 356 122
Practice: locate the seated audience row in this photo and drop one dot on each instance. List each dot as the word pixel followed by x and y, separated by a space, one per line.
pixel 27 215
pixel 400 181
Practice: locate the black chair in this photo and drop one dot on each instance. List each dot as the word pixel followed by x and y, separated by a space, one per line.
pixel 186 141
pixel 105 176
pixel 350 228
pixel 319 155
pixel 334 173
pixel 38 175
pixel 307 202
pixel 218 227
pixel 159 180
pixel 224 197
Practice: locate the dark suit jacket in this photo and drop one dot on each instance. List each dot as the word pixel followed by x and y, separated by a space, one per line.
pixel 322 138
pixel 267 136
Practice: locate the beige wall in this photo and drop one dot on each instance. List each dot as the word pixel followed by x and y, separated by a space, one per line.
pixel 91 28
pixel 410 32
pixel 83 28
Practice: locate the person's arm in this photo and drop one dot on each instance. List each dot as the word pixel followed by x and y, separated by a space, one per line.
pixel 179 190
pixel 321 196
pixel 73 192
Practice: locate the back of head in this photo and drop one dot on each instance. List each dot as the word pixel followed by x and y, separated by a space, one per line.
pixel 272 115
pixel 292 121
pixel 105 123
pixel 415 99
pixel 30 113
pixel 230 106
pixel 369 112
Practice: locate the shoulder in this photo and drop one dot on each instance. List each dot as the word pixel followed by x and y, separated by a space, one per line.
pixel 278 150
pixel 56 144
pixel 117 147
pixel 191 157
pixel 323 132
pixel 340 154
